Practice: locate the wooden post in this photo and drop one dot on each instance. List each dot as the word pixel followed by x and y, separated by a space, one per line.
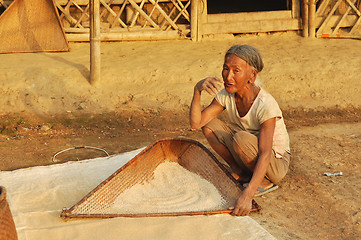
pixel 305 18
pixel 311 18
pixel 296 6
pixel 202 17
pixel 194 20
pixel 94 41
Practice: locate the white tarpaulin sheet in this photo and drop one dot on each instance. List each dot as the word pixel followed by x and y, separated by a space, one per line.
pixel 37 196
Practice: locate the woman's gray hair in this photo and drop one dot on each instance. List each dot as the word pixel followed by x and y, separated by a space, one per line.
pixel 249 54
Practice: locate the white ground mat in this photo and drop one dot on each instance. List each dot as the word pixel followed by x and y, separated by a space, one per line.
pixel 37 195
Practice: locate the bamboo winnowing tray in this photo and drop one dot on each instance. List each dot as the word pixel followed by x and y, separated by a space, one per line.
pixel 190 154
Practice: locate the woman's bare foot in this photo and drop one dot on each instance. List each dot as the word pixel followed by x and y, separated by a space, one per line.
pixel 265 187
pixel 241 178
pixel 265 184
pixel 237 174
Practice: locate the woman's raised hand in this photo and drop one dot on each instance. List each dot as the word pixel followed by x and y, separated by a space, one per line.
pixel 211 85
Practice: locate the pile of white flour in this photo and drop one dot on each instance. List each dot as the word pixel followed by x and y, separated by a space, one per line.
pixel 173 189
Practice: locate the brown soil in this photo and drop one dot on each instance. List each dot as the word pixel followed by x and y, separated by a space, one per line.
pixel 308 205
pixel 46 109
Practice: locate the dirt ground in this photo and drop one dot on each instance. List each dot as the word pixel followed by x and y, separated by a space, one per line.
pixel 47 105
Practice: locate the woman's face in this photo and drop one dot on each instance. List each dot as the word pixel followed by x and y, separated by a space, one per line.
pixel 237 74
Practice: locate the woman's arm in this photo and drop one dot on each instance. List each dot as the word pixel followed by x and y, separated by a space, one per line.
pixel 197 117
pixel 244 203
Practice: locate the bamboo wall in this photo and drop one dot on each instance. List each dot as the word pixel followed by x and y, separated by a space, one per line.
pixel 172 19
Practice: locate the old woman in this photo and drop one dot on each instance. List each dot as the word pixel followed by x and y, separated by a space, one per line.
pixel 254 142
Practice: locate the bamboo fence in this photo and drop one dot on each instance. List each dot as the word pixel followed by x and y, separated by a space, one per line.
pixel 131 20
pixel 128 19
pixel 338 19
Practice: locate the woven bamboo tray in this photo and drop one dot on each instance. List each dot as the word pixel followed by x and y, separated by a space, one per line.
pixel 32 26
pixel 7 226
pixel 190 154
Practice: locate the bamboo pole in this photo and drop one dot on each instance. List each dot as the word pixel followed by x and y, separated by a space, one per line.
pixel 94 41
pixel 202 17
pixel 66 214
pixel 311 18
pixel 194 20
pixel 296 6
pixel 305 18
pixel 340 36
pixel 127 36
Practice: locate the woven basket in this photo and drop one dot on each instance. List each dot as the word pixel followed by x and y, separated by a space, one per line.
pixel 7 226
pixel 190 154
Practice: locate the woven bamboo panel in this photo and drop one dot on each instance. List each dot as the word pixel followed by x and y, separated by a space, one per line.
pixel 31 26
pixel 128 14
pixel 339 19
pixel 188 153
pixel 7 226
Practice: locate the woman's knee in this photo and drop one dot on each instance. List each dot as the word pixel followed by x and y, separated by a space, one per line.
pixel 209 135
pixel 241 154
pixel 207 132
pixel 277 169
pixel 246 146
pixel 242 139
pixel 245 142
pixel 236 147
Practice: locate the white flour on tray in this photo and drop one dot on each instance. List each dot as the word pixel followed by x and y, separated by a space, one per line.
pixel 173 189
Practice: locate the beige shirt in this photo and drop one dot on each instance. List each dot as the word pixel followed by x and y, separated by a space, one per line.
pixel 263 108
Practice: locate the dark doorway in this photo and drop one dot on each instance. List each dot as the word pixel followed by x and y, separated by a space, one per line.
pixel 235 6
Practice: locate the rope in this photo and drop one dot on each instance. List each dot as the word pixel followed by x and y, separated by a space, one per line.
pixel 89 147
